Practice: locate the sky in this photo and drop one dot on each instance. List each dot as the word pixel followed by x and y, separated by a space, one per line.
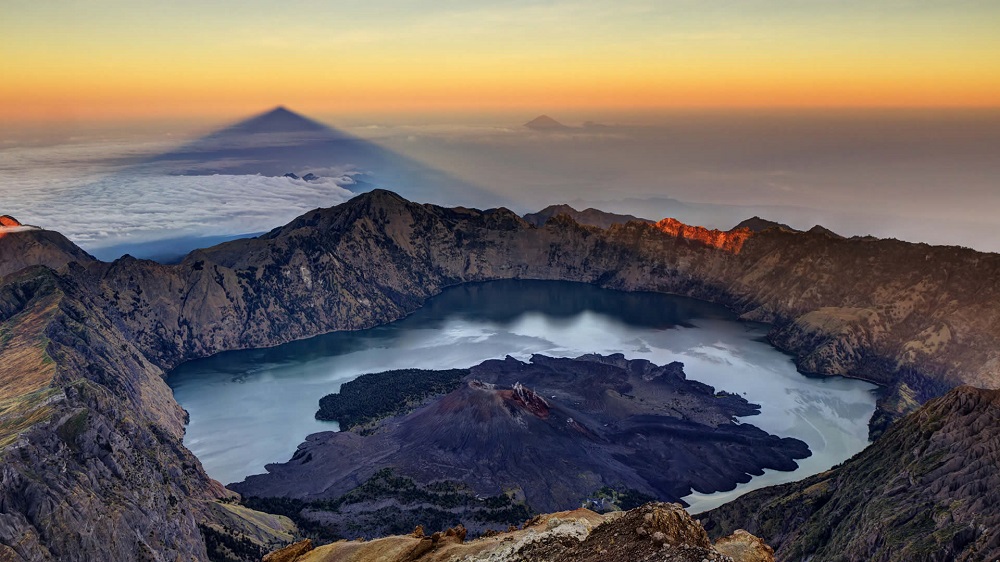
pixel 123 59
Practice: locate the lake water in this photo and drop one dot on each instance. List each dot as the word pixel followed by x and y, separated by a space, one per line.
pixel 250 408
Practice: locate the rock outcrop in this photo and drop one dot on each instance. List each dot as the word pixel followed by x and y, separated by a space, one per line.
pixel 729 240
pixel 7 221
pixel 928 489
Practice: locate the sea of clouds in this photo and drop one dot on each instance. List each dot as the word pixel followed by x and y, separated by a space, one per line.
pixel 92 194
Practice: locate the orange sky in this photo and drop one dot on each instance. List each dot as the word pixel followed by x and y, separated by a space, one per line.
pixel 104 59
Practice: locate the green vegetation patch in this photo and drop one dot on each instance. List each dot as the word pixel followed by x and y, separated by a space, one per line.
pixel 73 427
pixel 19 414
pixel 223 546
pixel 375 396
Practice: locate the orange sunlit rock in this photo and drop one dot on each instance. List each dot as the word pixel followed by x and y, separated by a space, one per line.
pixel 9 221
pixel 728 240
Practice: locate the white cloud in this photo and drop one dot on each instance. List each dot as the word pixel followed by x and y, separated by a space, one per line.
pixel 90 192
pixel 136 208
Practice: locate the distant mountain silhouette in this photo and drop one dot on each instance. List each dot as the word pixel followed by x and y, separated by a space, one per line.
pixel 757 224
pixel 820 229
pixel 281 142
pixel 545 123
pixel 589 216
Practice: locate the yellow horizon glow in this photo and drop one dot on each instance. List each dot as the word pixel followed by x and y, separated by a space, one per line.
pixel 103 60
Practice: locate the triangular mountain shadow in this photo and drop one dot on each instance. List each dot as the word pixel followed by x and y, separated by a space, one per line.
pixel 280 141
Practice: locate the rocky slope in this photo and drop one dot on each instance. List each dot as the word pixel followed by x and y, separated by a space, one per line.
pixel 90 437
pixel 916 318
pixel 650 533
pixel 536 437
pixel 928 489
pixel 22 247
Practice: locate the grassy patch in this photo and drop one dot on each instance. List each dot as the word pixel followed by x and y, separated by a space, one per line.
pixel 18 414
pixel 27 366
pixel 71 429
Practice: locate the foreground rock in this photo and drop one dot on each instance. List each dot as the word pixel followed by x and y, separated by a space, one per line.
pixel 928 489
pixel 521 438
pixel 651 533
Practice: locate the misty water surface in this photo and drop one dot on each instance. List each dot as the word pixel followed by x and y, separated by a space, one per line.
pixel 250 408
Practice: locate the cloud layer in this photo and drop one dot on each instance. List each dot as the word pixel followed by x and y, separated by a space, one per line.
pixel 130 209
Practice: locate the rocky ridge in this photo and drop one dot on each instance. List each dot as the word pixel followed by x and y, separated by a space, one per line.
pixel 652 533
pixel 729 240
pixel 7 221
pixel 857 307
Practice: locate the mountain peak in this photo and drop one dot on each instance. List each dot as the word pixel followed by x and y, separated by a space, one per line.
pixel 758 224
pixel 819 229
pixel 545 123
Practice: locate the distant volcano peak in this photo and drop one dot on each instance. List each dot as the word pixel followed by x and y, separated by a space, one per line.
pixel 545 123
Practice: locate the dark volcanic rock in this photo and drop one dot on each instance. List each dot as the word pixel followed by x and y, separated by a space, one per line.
pixel 928 489
pixel 555 430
